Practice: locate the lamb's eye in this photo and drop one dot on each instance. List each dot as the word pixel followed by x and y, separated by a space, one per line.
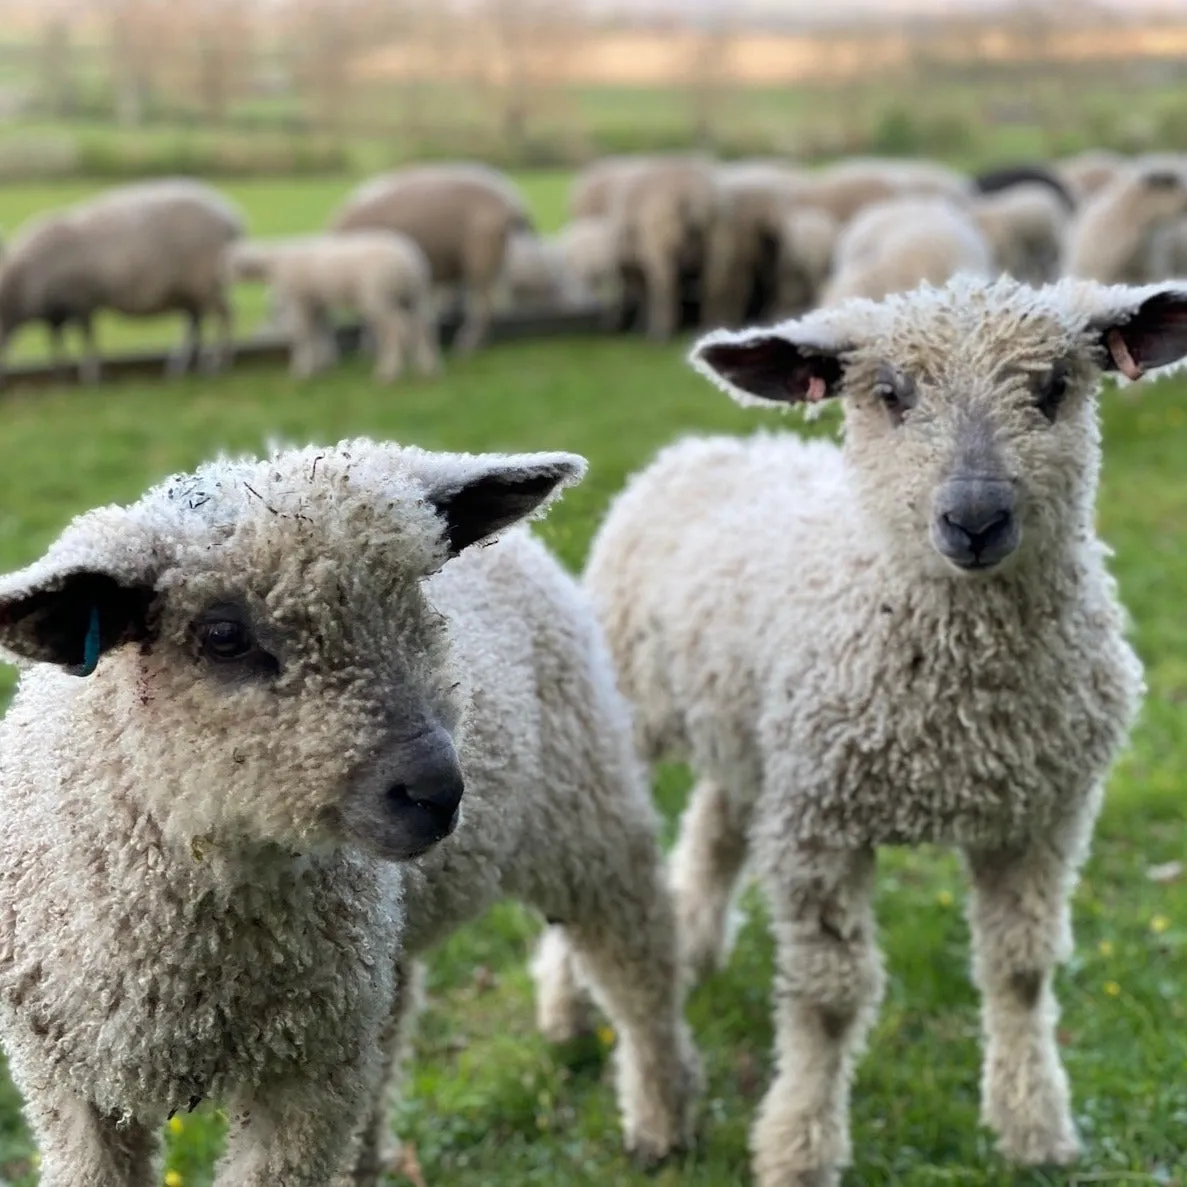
pixel 225 640
pixel 896 391
pixel 1051 392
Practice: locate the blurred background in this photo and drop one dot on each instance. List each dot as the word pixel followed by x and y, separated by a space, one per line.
pixel 285 107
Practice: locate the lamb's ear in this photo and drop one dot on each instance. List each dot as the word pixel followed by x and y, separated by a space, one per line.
pixel 70 617
pixel 769 366
pixel 1150 332
pixel 480 495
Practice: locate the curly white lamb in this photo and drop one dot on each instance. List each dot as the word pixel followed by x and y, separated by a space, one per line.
pixel 910 638
pixel 142 249
pixel 208 847
pixel 381 276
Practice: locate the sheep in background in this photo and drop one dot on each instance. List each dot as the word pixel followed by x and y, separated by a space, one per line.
pixel 748 246
pixel 381 276
pixel 461 216
pixel 895 245
pixel 590 249
pixel 593 191
pixel 1110 238
pixel 212 847
pixel 537 277
pixel 1089 171
pixel 1025 226
pixel 847 187
pixel 1005 178
pixel 911 638
pixel 142 249
pixel 667 214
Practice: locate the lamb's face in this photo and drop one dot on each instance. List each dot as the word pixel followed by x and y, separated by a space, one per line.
pixel 275 669
pixel 970 418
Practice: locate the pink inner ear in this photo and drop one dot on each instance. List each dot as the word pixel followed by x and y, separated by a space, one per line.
pixel 1126 363
pixel 816 389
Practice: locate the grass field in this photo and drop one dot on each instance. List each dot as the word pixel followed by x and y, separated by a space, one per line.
pixel 489 1102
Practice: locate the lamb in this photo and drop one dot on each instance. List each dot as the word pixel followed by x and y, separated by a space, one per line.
pixel 381 276
pixel 911 638
pixel 536 277
pixel 1109 240
pixel 212 847
pixel 142 249
pixel 461 215
pixel 1024 226
pixel 895 245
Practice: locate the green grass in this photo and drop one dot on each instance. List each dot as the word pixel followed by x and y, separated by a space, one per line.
pixel 280 207
pixel 488 1102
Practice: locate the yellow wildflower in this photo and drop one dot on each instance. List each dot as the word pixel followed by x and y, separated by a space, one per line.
pixel 1112 989
pixel 1105 947
pixel 173 1179
pixel 944 898
pixel 176 1125
pixel 1159 924
pixel 606 1036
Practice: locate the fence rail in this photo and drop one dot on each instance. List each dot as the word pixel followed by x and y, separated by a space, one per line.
pixel 272 349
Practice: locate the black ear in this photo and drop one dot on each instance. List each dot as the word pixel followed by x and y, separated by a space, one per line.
pixel 766 366
pixel 482 495
pixel 1152 334
pixel 71 619
pixel 1164 179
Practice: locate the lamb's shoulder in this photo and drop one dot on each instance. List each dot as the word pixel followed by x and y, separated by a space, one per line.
pixel 947 712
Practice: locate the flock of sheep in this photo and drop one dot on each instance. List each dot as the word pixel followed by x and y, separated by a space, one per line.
pixel 285 723
pixel 658 242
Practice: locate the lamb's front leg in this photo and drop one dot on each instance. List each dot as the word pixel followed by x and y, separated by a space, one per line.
pixel 299 1133
pixel 828 986
pixel 1021 930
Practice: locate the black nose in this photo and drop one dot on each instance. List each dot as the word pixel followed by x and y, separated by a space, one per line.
pixel 437 793
pixel 980 532
pixel 975 526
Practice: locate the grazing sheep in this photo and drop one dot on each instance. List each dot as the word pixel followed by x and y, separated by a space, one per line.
pixel 895 245
pixel 1090 171
pixel 667 214
pixel 1109 240
pixel 461 215
pixel 807 243
pixel 381 276
pixel 208 848
pixel 911 638
pixel 1025 226
pixel 846 188
pixel 536 277
pixel 748 246
pixel 589 247
pixel 1006 177
pixel 143 249
pixel 593 191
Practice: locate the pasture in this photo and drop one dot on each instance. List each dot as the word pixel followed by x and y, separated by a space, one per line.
pixel 487 1102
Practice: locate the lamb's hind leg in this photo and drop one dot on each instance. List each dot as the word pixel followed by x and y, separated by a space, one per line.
pixel 78 1146
pixel 703 871
pixel 623 939
pixel 828 986
pixel 1021 930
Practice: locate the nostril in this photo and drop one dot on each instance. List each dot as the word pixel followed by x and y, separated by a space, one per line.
pixel 397 795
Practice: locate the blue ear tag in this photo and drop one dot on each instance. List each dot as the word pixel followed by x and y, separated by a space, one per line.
pixel 90 647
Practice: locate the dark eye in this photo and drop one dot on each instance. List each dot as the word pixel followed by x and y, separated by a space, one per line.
pixel 896 392
pixel 225 640
pixel 1051 393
